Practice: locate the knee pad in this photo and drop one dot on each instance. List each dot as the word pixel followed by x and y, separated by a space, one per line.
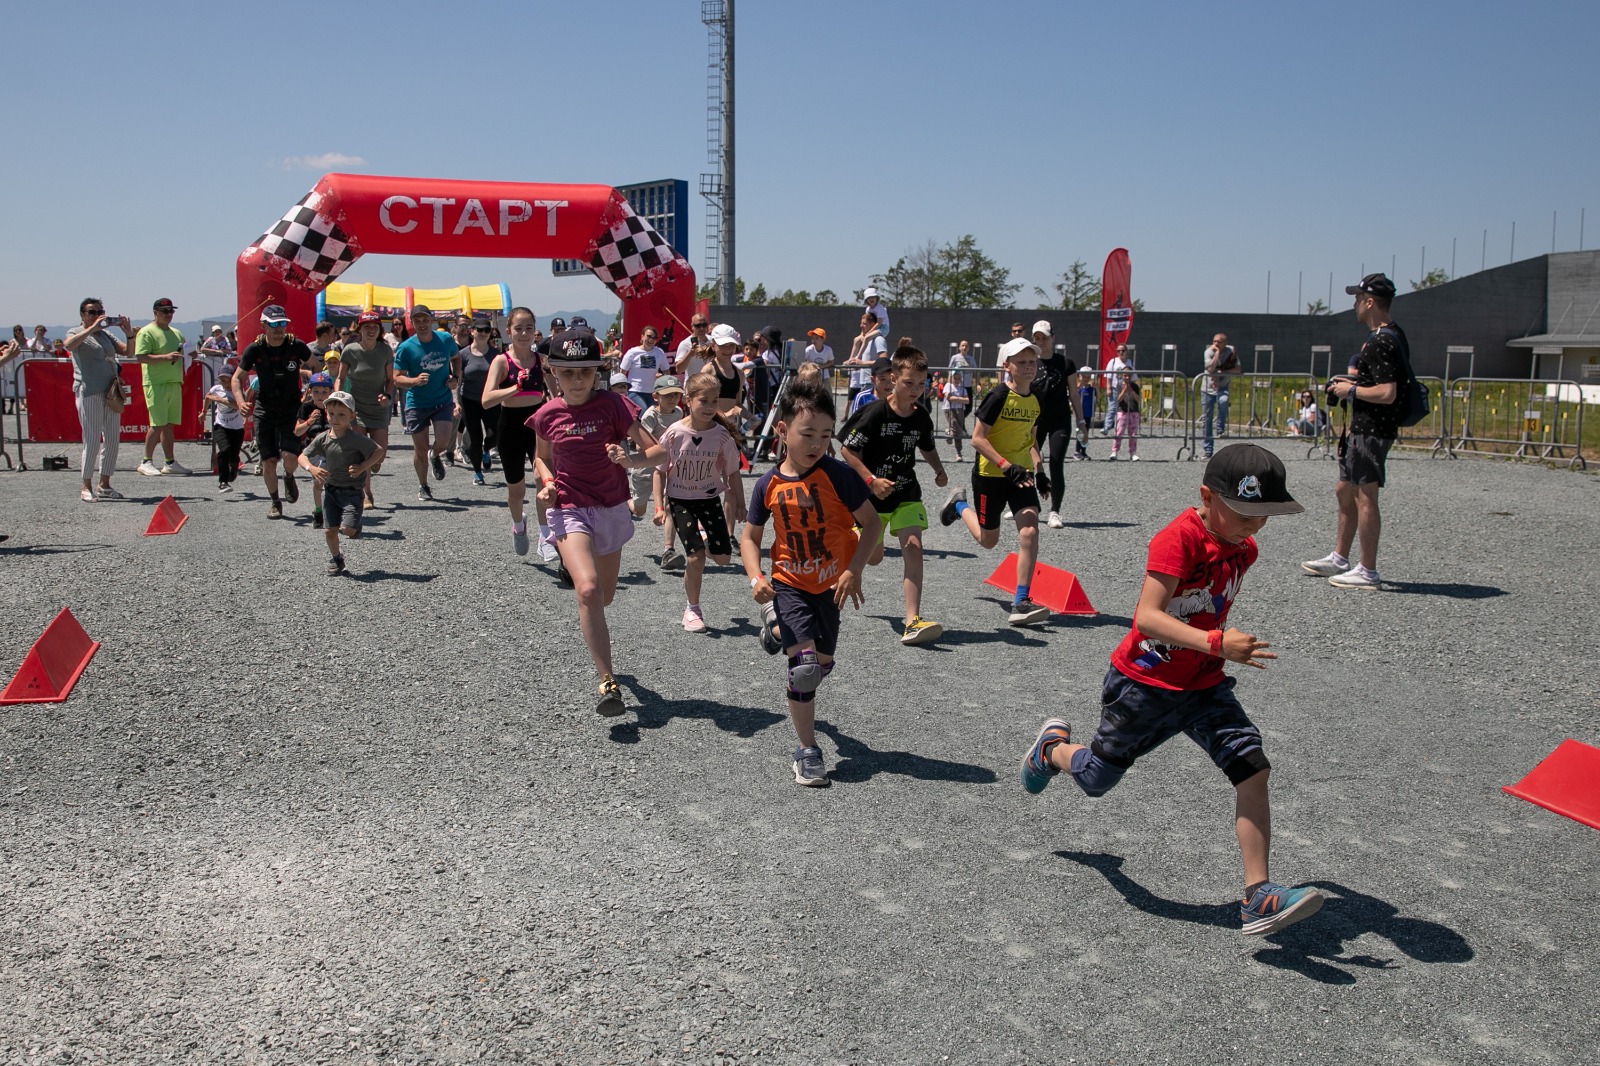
pixel 805 674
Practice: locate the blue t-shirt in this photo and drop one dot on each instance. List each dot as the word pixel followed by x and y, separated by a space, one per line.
pixel 416 356
pixel 864 397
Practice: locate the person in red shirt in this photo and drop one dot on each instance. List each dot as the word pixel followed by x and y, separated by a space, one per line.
pixel 1166 676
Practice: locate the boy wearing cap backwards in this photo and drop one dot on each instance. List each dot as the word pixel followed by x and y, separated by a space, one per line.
pixel 1004 475
pixel 1166 676
pixel 311 420
pixel 346 457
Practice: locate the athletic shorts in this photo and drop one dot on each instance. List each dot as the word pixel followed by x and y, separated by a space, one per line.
pixel 341 506
pixel 165 403
pixel 417 419
pixel 1363 460
pixel 806 616
pixel 1136 718
pixel 516 443
pixel 690 516
pixel 275 436
pixel 992 495
pixel 909 515
pixel 609 528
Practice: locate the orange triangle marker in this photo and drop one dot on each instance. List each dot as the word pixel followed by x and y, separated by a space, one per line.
pixel 1566 781
pixel 54 663
pixel 1053 587
pixel 169 518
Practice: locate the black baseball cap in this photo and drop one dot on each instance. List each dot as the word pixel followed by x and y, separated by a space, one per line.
pixel 164 304
pixel 574 348
pixel 1251 481
pixel 1373 285
pixel 579 322
pixel 557 324
pixel 422 309
pixel 881 365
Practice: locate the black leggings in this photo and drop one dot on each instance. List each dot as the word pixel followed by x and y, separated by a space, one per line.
pixel 517 443
pixel 227 442
pixel 480 426
pixel 1058 440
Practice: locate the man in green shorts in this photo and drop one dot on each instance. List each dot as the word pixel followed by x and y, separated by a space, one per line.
pixel 881 442
pixel 159 349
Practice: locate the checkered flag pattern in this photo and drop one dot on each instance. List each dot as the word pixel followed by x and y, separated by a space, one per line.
pixel 630 255
pixel 308 247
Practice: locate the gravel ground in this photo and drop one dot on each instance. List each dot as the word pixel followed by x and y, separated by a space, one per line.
pixel 289 819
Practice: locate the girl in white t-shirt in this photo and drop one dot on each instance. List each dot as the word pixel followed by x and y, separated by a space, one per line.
pixel 227 429
pixel 956 401
pixel 700 454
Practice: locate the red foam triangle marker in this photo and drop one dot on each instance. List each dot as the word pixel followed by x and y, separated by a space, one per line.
pixel 1053 587
pixel 1566 781
pixel 54 663
pixel 169 518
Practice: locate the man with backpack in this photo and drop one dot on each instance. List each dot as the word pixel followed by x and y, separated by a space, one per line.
pixel 1377 386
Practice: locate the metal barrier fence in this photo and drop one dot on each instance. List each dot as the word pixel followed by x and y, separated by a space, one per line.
pixel 1513 418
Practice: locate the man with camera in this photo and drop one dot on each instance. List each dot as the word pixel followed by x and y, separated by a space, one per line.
pixel 98 392
pixel 1372 388
pixel 1221 361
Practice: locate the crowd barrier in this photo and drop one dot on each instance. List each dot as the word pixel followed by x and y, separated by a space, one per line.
pixel 51 416
pixel 1512 418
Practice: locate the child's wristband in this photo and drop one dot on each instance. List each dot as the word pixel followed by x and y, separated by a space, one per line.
pixel 1214 642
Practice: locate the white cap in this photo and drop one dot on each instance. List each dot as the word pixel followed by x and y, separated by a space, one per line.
pixel 620 379
pixel 1015 346
pixel 1042 326
pixel 216 329
pixel 868 293
pixel 722 333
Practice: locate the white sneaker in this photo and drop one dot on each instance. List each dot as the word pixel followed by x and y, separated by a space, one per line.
pixel 693 621
pixel 1327 566
pixel 548 552
pixel 172 466
pixel 1135 459
pixel 1055 520
pixel 1357 578
pixel 148 469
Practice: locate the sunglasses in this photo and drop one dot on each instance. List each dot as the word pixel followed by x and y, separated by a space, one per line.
pixel 277 324
pixel 480 329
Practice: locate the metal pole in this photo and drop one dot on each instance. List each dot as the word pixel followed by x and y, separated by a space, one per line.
pixel 726 267
pixel 1452 257
pixel 1269 292
pixel 1484 262
pixel 1392 260
pixel 1330 292
pixel 1300 294
pixel 1581 212
pixel 1513 258
pixel 1424 263
pixel 1552 233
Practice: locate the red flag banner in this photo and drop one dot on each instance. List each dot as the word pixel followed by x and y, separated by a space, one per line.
pixel 1116 305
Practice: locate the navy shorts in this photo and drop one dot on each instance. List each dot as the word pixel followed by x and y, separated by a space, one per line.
pixel 341 506
pixel 806 616
pixel 1136 718
pixel 417 419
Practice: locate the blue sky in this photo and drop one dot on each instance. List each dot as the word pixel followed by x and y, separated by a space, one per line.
pixel 1215 143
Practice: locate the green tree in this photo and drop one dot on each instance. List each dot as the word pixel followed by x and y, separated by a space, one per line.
pixel 710 291
pixel 757 297
pixel 955 275
pixel 1436 276
pixel 1317 307
pixel 1076 289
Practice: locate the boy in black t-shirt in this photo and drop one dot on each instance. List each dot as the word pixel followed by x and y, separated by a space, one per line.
pixel 880 443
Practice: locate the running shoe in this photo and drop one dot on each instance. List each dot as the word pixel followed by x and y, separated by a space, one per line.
pixel 1111 458
pixel 921 631
pixel 809 769
pixel 693 620
pixel 276 510
pixel 547 551
pixel 1133 459
pixel 424 494
pixel 1055 520
pixel 1327 566
pixel 673 560
pixel 947 513
pixel 174 468
pixel 1027 613
pixel 1036 768
pixel 86 495
pixel 610 703
pixel 1272 908
pixel 223 486
pixel 438 467
pixel 1358 577
pixel 291 489
pixel 487 462
pixel 336 566
pixel 477 478
pixel 148 469
pixel 316 520
pixel 519 540
pixel 958 458
pixel 106 492
pixel 771 640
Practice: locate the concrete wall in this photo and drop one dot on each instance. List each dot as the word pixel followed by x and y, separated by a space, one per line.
pixel 1484 310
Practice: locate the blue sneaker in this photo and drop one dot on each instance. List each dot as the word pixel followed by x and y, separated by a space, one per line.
pixel 1274 907
pixel 1036 769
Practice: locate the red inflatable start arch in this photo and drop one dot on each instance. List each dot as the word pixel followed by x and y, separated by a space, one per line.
pixel 346 216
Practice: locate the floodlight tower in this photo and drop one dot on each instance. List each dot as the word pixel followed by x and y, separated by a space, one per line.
pixel 717 188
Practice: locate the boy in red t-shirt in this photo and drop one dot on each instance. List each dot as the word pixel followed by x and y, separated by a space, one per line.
pixel 1166 676
pixel 815 502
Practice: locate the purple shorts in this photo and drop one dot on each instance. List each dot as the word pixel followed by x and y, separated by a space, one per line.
pixel 608 527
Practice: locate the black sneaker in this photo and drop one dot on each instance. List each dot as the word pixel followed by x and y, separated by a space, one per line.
pixel 336 566
pixel 438 467
pixel 947 513
pixel 610 704
pixel 1027 613
pixel 809 769
pixel 291 488
pixel 276 510
pixel 424 494
pixel 316 520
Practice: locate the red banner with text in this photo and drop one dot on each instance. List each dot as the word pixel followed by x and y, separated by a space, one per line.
pixel 53 413
pixel 1116 305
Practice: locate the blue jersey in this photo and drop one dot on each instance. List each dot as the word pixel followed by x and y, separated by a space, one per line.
pixel 416 356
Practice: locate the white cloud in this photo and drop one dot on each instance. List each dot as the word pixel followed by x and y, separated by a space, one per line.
pixel 325 161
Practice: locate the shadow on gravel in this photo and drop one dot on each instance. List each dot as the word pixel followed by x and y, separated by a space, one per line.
pixel 50 549
pixel 367 577
pixel 388 534
pixel 941 553
pixel 1313 948
pixel 1099 525
pixel 857 762
pixel 654 712
pixel 635 577
pixel 1448 591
